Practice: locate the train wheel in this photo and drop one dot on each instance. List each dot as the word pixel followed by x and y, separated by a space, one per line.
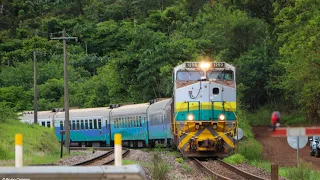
pixel 312 153
pixel 317 152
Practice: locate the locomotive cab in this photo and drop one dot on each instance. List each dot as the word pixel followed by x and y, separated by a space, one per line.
pixel 204 105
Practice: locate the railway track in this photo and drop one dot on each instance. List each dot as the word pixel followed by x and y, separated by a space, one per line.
pixel 94 148
pixel 104 159
pixel 218 169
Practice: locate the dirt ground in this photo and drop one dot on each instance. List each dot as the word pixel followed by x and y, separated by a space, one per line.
pixel 277 149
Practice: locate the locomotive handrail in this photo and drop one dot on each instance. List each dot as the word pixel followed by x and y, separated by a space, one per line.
pixel 175 117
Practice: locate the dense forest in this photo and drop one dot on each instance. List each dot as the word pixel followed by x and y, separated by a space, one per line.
pixel 126 50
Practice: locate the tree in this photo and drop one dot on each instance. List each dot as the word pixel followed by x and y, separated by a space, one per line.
pixel 298 26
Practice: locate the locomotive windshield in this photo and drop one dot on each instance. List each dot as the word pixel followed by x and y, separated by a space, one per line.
pixel 221 75
pixel 189 75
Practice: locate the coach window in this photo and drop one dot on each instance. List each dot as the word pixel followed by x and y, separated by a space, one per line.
pixel 78 125
pixel 118 123
pixel 61 125
pixel 86 124
pixel 90 124
pixel 99 123
pixel 131 122
pixel 137 122
pixel 70 127
pixel 115 123
pixel 82 125
pixel 48 124
pixel 43 123
pixel 127 122
pixel 73 125
pixel 95 123
pixel 140 121
pixel 123 122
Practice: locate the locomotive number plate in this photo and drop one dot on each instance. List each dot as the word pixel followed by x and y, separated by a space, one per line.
pixel 196 65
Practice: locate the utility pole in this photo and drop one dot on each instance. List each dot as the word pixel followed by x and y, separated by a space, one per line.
pixel 35 100
pixel 66 93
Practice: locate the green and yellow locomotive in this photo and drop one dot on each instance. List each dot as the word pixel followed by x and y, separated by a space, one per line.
pixel 204 101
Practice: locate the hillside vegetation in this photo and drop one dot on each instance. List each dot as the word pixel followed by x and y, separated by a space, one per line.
pixel 127 49
pixel 40 144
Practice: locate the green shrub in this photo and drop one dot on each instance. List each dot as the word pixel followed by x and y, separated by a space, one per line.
pixel 251 149
pixel 235 159
pixel 303 172
pixel 6 113
pixel 186 167
pixel 180 160
pixel 160 167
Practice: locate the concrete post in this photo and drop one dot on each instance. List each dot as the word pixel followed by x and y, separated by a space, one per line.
pixel 18 150
pixel 117 150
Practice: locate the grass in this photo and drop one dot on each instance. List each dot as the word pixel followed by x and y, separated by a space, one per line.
pixel 235 159
pixel 174 153
pixel 183 164
pixel 304 172
pixel 40 144
pixel 160 168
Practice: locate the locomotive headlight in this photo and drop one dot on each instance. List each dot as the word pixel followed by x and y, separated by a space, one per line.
pixel 205 66
pixel 190 117
pixel 222 117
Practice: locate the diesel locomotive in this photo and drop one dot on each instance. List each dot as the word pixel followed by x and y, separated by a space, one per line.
pixel 199 119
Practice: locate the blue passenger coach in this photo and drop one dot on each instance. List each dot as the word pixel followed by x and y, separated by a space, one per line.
pixel 159 117
pixel 88 127
pixel 131 122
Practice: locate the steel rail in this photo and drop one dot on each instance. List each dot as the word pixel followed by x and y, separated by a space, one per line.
pixel 91 161
pixel 239 171
pixel 126 152
pixel 87 148
pixel 209 172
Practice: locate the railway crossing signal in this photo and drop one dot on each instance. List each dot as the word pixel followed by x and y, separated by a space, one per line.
pixel 296 131
pixel 296 134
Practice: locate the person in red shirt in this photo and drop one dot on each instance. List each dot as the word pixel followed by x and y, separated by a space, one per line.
pixel 275 119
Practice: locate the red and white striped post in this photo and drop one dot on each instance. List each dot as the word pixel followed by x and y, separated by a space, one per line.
pixel 18 150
